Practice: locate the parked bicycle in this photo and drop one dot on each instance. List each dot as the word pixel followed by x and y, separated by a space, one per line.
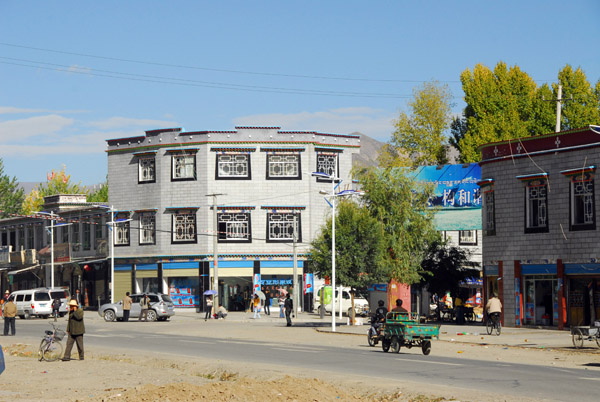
pixel 493 324
pixel 50 348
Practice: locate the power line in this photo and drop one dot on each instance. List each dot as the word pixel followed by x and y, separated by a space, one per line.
pixel 194 83
pixel 217 69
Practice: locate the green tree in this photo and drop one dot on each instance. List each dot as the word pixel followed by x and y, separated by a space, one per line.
pixel 11 196
pixel 100 194
pixel 401 206
pixel 57 183
pixel 506 103
pixel 358 247
pixel 584 108
pixel 444 268
pixel 421 134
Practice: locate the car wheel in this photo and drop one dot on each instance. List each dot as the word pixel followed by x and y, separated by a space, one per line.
pixel 109 315
pixel 27 315
pixel 395 344
pixel 426 347
pixel 152 316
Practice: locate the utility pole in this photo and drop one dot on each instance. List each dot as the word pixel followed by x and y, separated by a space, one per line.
pixel 215 253
pixel 51 250
pixel 558 108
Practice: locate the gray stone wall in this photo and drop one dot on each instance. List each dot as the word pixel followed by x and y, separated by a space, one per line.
pixel 127 194
pixel 511 242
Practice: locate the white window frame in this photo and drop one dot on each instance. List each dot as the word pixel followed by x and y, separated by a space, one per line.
pixel 184 227
pixel 183 166
pixel 234 227
pixel 467 237
pixel 228 169
pixel 323 167
pixel 277 161
pixel 536 206
pixel 122 234
pixel 147 169
pixel 282 220
pixel 147 228
pixel 582 187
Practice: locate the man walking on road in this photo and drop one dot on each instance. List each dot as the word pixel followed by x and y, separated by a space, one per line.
pixel 10 312
pixel 75 331
pixel 126 307
pixel 289 307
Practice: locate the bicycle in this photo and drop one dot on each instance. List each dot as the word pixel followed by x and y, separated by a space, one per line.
pixel 50 347
pixel 493 324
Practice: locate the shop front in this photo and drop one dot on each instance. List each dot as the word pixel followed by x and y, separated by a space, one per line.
pixel 583 282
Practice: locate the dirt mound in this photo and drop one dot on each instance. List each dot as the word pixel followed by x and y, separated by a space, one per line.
pixel 245 390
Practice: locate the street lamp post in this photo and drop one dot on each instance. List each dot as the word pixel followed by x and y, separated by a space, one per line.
pixel 333 197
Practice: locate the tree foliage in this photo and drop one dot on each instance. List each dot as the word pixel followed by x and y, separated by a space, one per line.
pixel 358 246
pixel 11 196
pixel 56 183
pixel 506 103
pixel 400 206
pixel 99 195
pixel 444 268
pixel 422 134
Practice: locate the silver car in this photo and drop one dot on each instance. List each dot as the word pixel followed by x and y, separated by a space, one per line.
pixel 161 308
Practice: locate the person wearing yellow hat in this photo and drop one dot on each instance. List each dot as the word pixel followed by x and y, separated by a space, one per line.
pixel 75 330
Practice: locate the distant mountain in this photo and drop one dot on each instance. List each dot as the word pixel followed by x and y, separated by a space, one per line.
pixel 369 150
pixel 27 186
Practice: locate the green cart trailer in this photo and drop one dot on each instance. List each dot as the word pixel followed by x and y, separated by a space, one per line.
pixel 404 329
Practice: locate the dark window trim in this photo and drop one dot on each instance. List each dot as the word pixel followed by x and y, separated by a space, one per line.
pixel 467 243
pixel 337 168
pixel 491 232
pixel 183 178
pixel 128 237
pixel 584 226
pixel 140 232
pixel 298 240
pixel 248 240
pixel 544 229
pixel 140 181
pixel 298 177
pixel 217 177
pixel 195 241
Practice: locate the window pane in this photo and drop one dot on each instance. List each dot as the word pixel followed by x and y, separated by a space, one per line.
pixel 184 166
pixel 327 163
pixel 284 165
pixel 233 165
pixel 184 227
pixel 146 172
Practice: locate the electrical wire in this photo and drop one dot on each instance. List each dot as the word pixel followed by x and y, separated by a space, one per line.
pixel 217 69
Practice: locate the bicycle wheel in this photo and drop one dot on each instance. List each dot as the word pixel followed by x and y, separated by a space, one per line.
pixel 41 349
pixel 498 327
pixel 53 351
pixel 489 325
pixel 577 338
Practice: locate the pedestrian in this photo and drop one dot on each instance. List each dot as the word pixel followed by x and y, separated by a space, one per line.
pixel 75 331
pixel 281 306
pixel 267 303
pixel 209 306
pixel 399 308
pixel 127 301
pixel 289 307
pixel 6 295
pixel 56 307
pixel 222 313
pixel 144 302
pixel 256 304
pixel 10 312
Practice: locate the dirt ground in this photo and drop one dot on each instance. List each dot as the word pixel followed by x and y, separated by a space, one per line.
pixel 108 376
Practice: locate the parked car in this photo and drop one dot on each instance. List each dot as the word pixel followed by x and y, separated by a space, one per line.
pixel 361 305
pixel 161 308
pixel 32 302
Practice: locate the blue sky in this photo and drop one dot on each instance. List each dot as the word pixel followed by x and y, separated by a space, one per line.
pixel 330 66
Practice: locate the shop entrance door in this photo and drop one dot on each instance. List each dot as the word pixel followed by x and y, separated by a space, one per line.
pixel 541 300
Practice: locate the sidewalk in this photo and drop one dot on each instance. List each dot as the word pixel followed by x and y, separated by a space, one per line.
pixel 510 337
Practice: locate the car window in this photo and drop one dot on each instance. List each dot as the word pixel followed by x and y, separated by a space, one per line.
pixel 135 298
pixel 19 298
pixel 153 298
pixel 58 294
pixel 345 295
pixel 27 297
pixel 41 296
pixel 166 299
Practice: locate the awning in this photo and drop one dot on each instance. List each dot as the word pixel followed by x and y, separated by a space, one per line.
pixel 20 271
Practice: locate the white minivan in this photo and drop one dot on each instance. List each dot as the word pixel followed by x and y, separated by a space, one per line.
pixel 33 302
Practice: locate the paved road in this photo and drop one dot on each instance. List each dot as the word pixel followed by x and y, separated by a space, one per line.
pixel 487 376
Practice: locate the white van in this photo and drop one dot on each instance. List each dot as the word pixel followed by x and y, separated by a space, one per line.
pixel 33 302
pixel 361 305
